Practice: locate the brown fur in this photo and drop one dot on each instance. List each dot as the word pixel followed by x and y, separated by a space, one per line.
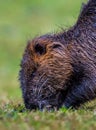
pixel 60 69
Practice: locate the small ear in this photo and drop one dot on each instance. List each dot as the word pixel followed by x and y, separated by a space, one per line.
pixel 56 45
pixel 40 49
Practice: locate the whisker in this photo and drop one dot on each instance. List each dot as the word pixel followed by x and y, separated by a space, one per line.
pixel 42 86
pixel 40 79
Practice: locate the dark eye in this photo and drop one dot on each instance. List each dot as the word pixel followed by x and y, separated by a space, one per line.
pixel 40 49
pixel 56 46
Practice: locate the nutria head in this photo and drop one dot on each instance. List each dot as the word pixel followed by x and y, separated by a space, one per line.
pixel 60 69
pixel 45 69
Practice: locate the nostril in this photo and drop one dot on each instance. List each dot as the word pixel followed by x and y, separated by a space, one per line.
pixel 30 105
pixel 33 106
pixel 40 49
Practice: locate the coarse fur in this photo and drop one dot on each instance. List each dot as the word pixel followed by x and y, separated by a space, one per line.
pixel 60 69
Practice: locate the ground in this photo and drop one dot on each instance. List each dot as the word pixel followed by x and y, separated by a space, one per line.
pixel 20 21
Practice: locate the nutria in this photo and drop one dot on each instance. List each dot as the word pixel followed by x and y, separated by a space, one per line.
pixel 60 69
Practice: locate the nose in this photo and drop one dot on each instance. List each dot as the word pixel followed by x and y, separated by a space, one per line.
pixel 31 105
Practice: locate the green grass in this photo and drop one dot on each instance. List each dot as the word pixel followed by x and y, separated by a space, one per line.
pixel 15 116
pixel 20 21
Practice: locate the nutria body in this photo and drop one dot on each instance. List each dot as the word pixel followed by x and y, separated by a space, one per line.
pixel 60 69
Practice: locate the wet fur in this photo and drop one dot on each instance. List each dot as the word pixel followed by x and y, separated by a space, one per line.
pixel 60 69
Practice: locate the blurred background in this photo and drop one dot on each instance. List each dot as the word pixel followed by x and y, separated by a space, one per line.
pixel 21 20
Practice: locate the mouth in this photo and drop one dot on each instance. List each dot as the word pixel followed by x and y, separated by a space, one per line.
pixel 42 105
pixel 49 103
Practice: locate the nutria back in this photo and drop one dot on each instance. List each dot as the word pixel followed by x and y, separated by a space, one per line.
pixel 60 69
